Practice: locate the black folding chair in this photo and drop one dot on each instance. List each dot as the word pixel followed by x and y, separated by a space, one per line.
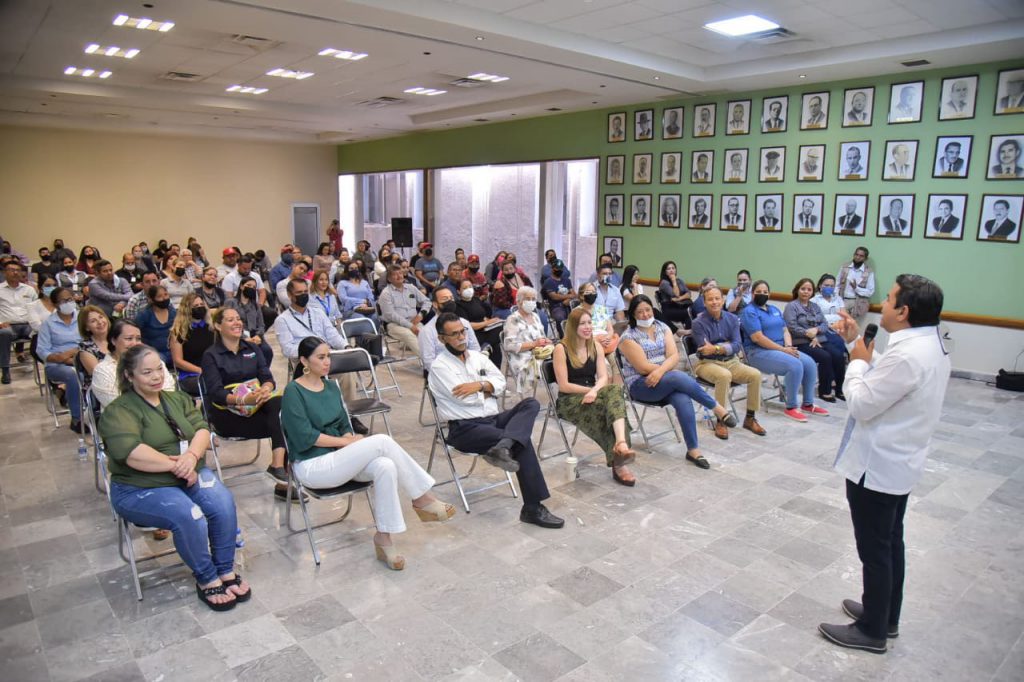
pixel 354 361
pixel 551 386
pixel 364 326
pixel 47 387
pixel 640 414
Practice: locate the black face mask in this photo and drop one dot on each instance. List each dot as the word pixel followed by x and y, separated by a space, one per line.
pixel 454 351
pixel 760 299
pixel 301 300
pixel 198 313
pixel 557 273
pixel 447 307
pixel 180 272
pixel 164 304
pixel 46 258
pixel 69 268
pixel 249 293
pixel 474 268
pixel 589 299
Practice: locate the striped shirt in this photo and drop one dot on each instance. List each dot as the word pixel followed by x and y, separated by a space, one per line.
pixel 654 350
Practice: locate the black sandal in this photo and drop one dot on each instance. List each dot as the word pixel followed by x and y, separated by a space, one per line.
pixel 699 461
pixel 205 593
pixel 237 582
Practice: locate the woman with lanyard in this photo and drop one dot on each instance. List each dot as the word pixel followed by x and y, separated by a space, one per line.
pixel 190 336
pixel 354 291
pixel 324 295
pixel 155 444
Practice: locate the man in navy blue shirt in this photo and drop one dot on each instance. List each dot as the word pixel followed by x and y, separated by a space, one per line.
pixel 558 292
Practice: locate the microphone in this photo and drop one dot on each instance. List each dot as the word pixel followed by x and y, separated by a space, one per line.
pixel 869 333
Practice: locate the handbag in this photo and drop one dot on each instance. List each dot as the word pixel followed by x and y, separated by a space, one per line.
pixel 240 390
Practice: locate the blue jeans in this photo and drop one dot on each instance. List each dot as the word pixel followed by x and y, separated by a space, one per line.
pixel 797 372
pixel 201 517
pixel 679 390
pixel 65 374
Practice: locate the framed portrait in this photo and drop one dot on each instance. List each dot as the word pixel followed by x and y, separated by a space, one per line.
pixel 895 216
pixel 643 125
pixel 614 209
pixel 668 210
pixel 814 111
pixel 900 161
pixel 774 114
pixel 811 166
pixel 905 101
pixel 614 246
pixel 808 213
pixel 672 123
pixel 733 210
pixel 699 215
pixel 613 166
pixel 1004 157
pixel 958 98
pixel 945 218
pixel 640 210
pixel 952 156
pixel 850 213
pixel 738 117
pixel 642 169
pixel 1000 218
pixel 704 120
pixel 772 164
pixel 1010 92
pixel 617 127
pixel 735 167
pixel 768 213
pixel 671 163
pixel 702 166
pixel 858 106
pixel 854 160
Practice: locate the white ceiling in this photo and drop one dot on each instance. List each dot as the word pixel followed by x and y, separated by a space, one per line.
pixel 559 54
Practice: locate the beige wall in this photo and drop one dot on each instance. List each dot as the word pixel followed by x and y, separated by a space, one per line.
pixel 111 190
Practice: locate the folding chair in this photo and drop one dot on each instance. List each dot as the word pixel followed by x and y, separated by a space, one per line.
pixel 353 361
pixel 346 490
pixel 441 436
pixel 37 374
pixel 47 387
pixel 548 374
pixel 214 437
pixel 362 326
pixel 640 414
pixel 689 349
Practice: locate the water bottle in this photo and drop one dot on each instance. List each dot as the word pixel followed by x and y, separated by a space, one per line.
pixel 83 452
pixel 239 540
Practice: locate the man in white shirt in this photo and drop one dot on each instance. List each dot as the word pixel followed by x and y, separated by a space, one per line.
pixel 244 269
pixel 429 340
pixel 229 264
pixel 464 383
pixel 15 299
pixel 895 405
pixel 857 284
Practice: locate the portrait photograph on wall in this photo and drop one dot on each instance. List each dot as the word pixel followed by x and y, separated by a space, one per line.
pixel 905 102
pixel 735 167
pixel 814 111
pixel 643 125
pixel 768 208
pixel 615 247
pixel 613 169
pixel 958 98
pixel 808 213
pixel 614 211
pixel 617 127
pixel 640 210
pixel 811 166
pixel 668 210
pixel 858 106
pixel 672 123
pixel 702 166
pixel 1010 92
pixel 1000 218
pixel 900 161
pixel 670 167
pixel 945 218
pixel 738 121
pixel 772 164
pixel 895 216
pixel 642 168
pixel 699 215
pixel 704 120
pixel 850 213
pixel 1004 157
pixel 952 156
pixel 733 210
pixel 854 160
pixel 774 114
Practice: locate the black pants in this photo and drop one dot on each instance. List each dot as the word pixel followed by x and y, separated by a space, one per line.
pixel 480 434
pixel 878 528
pixel 492 337
pixel 831 362
pixel 266 423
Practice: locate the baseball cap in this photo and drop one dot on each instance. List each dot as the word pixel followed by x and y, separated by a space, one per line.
pixel 557 264
pixel 473 258
pixel 228 252
pixel 426 245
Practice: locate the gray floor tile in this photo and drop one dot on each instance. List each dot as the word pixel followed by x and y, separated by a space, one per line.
pixel 720 613
pixel 538 657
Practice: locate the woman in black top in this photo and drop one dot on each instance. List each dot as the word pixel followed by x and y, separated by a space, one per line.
pixel 674 296
pixel 247 303
pixel 190 336
pixel 213 295
pixel 478 314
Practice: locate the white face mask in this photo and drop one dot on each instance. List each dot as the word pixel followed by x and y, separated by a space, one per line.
pixel 644 324
pixel 67 308
pixel 528 306
pixel 467 294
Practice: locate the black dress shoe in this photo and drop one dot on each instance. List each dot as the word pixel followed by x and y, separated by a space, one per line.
pixel 540 516
pixel 77 427
pixel 851 637
pixel 840 396
pixel 5 376
pixel 855 610
pixel 501 458
pixel 359 427
pixel 279 474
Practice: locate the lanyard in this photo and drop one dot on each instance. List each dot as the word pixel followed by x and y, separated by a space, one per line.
pixel 325 303
pixel 165 413
pixel 309 319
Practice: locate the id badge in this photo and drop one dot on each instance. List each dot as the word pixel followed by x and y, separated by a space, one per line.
pixel 182 447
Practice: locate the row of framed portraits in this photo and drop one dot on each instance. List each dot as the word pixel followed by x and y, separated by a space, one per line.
pixel 957 101
pixel 951 160
pixel 945 215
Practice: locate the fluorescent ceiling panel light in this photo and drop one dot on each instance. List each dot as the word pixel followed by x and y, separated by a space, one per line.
pixel 87 72
pixel 106 74
pixel 130 54
pixel 430 92
pixel 70 71
pixel 110 51
pixel 246 89
pixel 89 49
pixel 741 26
pixel 289 73
pixel 143 23
pixel 347 55
pixel 488 77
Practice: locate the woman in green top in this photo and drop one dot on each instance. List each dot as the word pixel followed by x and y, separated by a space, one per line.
pixel 325 453
pixel 155 443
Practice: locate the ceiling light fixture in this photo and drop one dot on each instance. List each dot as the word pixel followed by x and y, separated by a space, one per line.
pixel 111 51
pixel 479 37
pixel 487 77
pixel 289 73
pixel 246 90
pixel 87 73
pixel 347 55
pixel 741 26
pixel 429 92
pixel 143 23
pixel 657 78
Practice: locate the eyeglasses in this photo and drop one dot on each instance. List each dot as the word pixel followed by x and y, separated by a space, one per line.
pixel 458 334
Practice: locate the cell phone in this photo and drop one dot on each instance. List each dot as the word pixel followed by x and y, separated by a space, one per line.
pixel 869 333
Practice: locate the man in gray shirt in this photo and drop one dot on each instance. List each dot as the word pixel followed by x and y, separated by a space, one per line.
pixel 401 307
pixel 107 291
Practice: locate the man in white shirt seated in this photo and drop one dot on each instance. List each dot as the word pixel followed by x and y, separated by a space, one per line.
pixel 401 307
pixel 244 268
pixel 15 299
pixel 608 294
pixel 228 265
pixel 429 341
pixel 895 404
pixel 464 383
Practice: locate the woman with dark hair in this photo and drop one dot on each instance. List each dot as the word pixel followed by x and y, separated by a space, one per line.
pixel 505 290
pixel 246 302
pixel 649 359
pixel 156 321
pixel 486 326
pixel 156 441
pixel 324 259
pixel 191 335
pixel 93 326
pixel 355 294
pixel 322 294
pixel 630 286
pixel 213 295
pixel 325 452
pixel 673 296
pixel 42 307
pixel 812 335
pixel 493 269
pixel 124 334
pixel 87 259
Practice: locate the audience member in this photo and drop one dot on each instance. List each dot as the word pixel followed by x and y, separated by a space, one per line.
pixel 107 291
pixel 401 308
pixel 123 335
pixel 213 296
pixel 608 294
pixel 253 321
pixel 156 321
pixel 87 258
pixel 45 266
pixel 299 271
pixel 525 344
pixel 324 296
pixel 603 259
pixel 673 296
pixel 828 300
pixel 600 318
pixel 481 285
pixel 283 268
pixel 356 294
pixel 430 342
pixel 72 279
pixel 631 285
pixel 558 291
pixel 740 295
pixel 140 301
pixel 493 270
pixel 16 299
pixel 505 290
pixel 549 258
pixel 57 347
pixel 93 327
pixel 811 334
pixel 175 283
pixel 60 252
pixel 486 327
pixel 857 285
pixel 42 307
pixel 427 268
pixel 245 268
pixel 229 263
pixel 131 272
pixel 193 270
pixel 453 277
pixel 324 258
pixel 699 306
pixel 190 336
pixel 335 235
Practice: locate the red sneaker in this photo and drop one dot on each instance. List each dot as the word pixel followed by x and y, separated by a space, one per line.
pixel 814 409
pixel 795 415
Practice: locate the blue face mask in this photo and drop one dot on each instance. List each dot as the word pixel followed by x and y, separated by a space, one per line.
pixel 47 291
pixel 828 291
pixel 287 258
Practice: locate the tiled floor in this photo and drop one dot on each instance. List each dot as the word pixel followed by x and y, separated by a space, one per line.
pixel 692 575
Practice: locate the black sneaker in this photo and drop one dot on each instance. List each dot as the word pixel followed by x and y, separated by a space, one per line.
pixel 279 474
pixel 855 610
pixel 540 516
pixel 78 427
pixel 359 427
pixel 501 458
pixel 5 376
pixel 851 637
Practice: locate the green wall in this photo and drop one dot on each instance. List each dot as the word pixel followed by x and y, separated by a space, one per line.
pixel 781 258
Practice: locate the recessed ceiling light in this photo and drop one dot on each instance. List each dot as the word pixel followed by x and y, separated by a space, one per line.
pixel 288 73
pixel 479 37
pixel 803 75
pixel 111 51
pixel 347 55
pixel 430 92
pixel 87 73
pixel 741 26
pixel 490 78
pixel 246 90
pixel 143 23
pixel 657 78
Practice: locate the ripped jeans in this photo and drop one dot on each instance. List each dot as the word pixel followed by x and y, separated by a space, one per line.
pixel 202 519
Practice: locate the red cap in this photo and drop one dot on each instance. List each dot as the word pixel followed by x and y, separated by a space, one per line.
pixel 473 258
pixel 426 245
pixel 228 252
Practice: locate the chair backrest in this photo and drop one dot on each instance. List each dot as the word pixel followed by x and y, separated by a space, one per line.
pixel 689 345
pixel 202 400
pixel 358 326
pixel 350 360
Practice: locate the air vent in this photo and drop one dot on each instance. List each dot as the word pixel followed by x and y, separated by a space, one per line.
pixel 379 102
pixel 916 62
pixel 481 120
pixel 552 109
pixel 467 83
pixel 181 76
pixel 251 41
pixel 775 35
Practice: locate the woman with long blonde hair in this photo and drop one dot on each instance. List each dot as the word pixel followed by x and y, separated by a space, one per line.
pixel 191 334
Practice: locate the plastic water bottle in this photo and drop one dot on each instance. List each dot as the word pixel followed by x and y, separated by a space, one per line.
pixel 239 540
pixel 83 452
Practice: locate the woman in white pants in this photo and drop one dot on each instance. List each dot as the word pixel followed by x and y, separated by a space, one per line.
pixel 325 453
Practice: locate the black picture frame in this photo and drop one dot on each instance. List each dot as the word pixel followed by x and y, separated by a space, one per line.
pixel 783 116
pixel 894 170
pixel 745 107
pixel 762 222
pixel 859 216
pixel 1004 93
pixel 851 119
pixel 763 174
pixel 885 226
pixel 609 220
pixel 816 222
pixel 940 225
pixel 693 219
pixel 643 125
pixel 634 220
pixel 723 211
pixel 901 109
pixel 809 119
pixel 728 167
pixel 958 98
pixel 666 134
pixel 847 172
pixel 702 128
pixel 666 177
pixel 987 214
pixel 664 220
pixel 609 177
pixel 607 242
pixel 955 167
pixel 804 172
pixel 996 143
pixel 708 175
pixel 643 171
pixel 616 135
